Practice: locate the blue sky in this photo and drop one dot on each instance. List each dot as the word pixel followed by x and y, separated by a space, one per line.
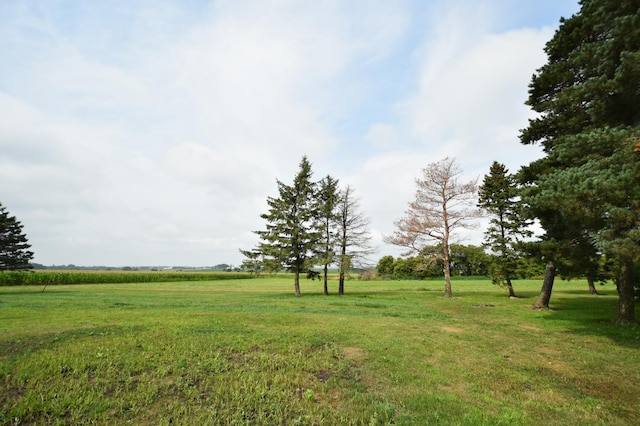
pixel 151 133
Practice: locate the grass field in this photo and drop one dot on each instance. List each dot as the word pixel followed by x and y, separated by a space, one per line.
pixel 249 352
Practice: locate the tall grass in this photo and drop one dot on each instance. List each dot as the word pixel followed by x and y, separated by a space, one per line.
pixel 249 352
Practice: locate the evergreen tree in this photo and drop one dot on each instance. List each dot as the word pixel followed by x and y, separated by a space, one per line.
pixel 293 233
pixel 14 246
pixel 498 196
pixel 328 196
pixel 587 97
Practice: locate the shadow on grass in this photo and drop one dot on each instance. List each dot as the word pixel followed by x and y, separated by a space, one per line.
pixel 334 294
pixel 602 291
pixel 594 316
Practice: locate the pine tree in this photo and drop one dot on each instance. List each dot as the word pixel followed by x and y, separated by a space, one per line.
pixel 498 196
pixel 14 246
pixel 587 97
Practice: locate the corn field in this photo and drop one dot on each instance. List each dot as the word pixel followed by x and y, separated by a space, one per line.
pixel 110 277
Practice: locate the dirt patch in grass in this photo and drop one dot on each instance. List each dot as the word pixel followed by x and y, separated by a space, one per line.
pixel 324 375
pixel 449 329
pixel 352 354
pixel 457 388
pixel 549 351
pixel 531 328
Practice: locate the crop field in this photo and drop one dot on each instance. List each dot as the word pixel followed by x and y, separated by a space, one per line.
pixel 46 278
pixel 247 351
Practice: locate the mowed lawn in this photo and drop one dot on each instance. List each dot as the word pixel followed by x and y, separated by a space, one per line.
pixel 250 352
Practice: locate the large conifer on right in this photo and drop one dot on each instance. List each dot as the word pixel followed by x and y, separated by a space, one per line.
pixel 587 98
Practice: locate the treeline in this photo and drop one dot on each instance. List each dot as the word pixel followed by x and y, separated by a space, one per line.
pixel 464 261
pixel 72 267
pixel 107 277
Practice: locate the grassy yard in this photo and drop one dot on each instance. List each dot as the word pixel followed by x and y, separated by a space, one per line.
pixel 249 352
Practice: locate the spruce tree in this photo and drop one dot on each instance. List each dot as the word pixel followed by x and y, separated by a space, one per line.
pixel 293 232
pixel 14 246
pixel 498 196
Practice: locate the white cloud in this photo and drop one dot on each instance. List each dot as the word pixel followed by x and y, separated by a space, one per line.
pixel 468 104
pixel 475 99
pixel 153 135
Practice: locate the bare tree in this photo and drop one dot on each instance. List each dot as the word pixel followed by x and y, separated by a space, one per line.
pixel 442 206
pixel 353 234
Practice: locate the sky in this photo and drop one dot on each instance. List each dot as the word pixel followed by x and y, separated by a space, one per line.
pixel 150 133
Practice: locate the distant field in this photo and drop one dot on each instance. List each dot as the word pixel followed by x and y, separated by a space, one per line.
pixel 249 352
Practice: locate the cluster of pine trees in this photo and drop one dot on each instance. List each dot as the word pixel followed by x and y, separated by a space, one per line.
pixel 308 224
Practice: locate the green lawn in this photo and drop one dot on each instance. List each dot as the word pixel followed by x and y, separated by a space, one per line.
pixel 249 352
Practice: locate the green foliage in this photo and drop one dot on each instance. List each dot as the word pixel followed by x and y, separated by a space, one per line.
pixel 416 268
pixel 385 266
pixel 469 260
pixel 329 197
pixel 465 260
pixel 14 246
pixel 529 267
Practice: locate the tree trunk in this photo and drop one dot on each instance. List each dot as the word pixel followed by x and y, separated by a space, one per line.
pixel 547 286
pixel 626 302
pixel 592 286
pixel 326 275
pixel 343 262
pixel 296 283
pixel 510 286
pixel 447 271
